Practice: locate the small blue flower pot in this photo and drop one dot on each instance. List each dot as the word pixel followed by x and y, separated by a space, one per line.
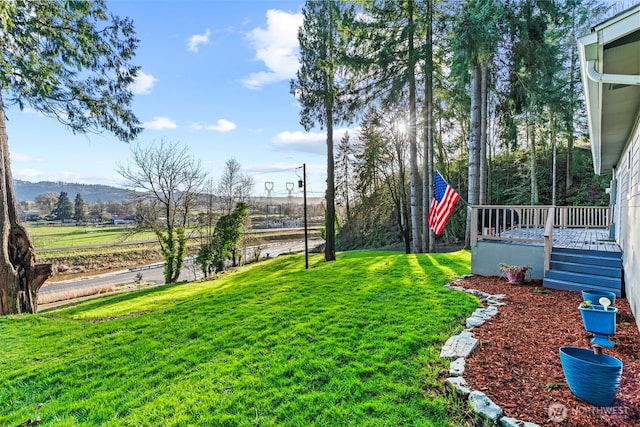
pixel 592 377
pixel 601 322
pixel 594 296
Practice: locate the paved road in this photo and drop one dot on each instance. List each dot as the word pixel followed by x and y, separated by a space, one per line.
pixel 153 273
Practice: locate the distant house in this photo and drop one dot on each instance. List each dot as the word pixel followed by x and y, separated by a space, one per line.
pixel 123 220
pixel 610 65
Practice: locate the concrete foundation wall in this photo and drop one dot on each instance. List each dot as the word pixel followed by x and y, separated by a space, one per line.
pixel 486 257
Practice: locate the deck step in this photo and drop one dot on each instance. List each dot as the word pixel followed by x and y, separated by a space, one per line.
pixel 587 280
pixel 593 252
pixel 587 259
pixel 579 267
pixel 576 270
pixel 577 287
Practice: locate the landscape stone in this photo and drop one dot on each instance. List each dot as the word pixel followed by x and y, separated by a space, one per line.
pixel 484 406
pixel 459 345
pixel 477 293
pixel 474 322
pixel 456 368
pixel 495 303
pixel 454 288
pixel 460 385
pixel 491 311
pixel 512 422
pixel 481 313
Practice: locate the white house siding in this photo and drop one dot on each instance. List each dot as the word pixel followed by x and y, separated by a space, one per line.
pixel 628 177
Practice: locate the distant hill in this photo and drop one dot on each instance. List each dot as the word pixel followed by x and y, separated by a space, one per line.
pixel 28 191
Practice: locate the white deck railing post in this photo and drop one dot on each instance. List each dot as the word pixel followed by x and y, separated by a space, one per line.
pixel 548 238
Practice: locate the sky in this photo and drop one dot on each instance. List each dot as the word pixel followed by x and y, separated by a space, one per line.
pixel 214 77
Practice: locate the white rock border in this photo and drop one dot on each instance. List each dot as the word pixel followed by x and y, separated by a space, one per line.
pixel 459 347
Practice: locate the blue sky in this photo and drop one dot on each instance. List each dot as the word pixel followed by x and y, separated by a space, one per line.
pixel 215 76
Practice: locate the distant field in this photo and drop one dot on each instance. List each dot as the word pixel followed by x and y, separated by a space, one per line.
pixel 51 237
pixel 81 250
pixel 71 236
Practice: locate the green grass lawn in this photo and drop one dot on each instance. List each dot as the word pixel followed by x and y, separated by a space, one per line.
pixel 353 342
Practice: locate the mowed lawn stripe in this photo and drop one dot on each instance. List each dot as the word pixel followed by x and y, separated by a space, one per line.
pixel 351 342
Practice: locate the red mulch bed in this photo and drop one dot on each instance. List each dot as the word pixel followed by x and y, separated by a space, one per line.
pixel 517 363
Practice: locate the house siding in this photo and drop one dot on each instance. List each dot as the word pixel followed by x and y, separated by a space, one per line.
pixel 628 177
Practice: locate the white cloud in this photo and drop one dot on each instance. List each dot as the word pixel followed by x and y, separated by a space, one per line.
pixel 19 157
pixel 221 125
pixel 28 174
pixel 159 123
pixel 270 167
pixel 198 39
pixel 143 83
pixel 277 47
pixel 309 142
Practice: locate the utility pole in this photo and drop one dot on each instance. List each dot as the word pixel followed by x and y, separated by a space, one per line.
pixel 303 183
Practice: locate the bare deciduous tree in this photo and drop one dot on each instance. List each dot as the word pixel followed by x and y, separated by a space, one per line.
pixel 167 174
pixel 234 186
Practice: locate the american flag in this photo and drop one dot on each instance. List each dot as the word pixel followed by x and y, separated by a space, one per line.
pixel 442 204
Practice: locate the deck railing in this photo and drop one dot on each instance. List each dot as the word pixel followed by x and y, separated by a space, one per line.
pixel 548 238
pixel 582 217
pixel 526 223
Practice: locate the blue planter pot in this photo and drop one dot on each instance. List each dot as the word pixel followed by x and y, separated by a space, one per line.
pixel 594 296
pixel 593 378
pixel 601 322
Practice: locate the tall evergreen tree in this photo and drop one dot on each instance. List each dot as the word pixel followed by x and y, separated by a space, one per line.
pixel 534 67
pixel 578 16
pixel 388 51
pixel 344 161
pixel 369 153
pixel 64 208
pixel 320 89
pixel 79 208
pixel 475 37
pixel 70 61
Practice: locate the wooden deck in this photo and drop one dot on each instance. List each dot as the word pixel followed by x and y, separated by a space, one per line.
pixel 572 238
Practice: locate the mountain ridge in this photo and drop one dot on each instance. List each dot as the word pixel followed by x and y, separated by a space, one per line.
pixel 28 191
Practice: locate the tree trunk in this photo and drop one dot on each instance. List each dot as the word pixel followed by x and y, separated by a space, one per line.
pixel 20 277
pixel 474 147
pixel 482 174
pixel 416 218
pixel 330 219
pixel 531 132
pixel 428 237
pixel 554 144
pixel 404 220
pixel 572 102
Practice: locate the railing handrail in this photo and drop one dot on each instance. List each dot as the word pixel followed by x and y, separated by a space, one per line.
pixel 532 223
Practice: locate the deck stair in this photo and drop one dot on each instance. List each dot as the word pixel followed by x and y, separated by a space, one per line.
pixel 577 269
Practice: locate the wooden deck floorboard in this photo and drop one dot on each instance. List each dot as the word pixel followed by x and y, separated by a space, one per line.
pixel 572 238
